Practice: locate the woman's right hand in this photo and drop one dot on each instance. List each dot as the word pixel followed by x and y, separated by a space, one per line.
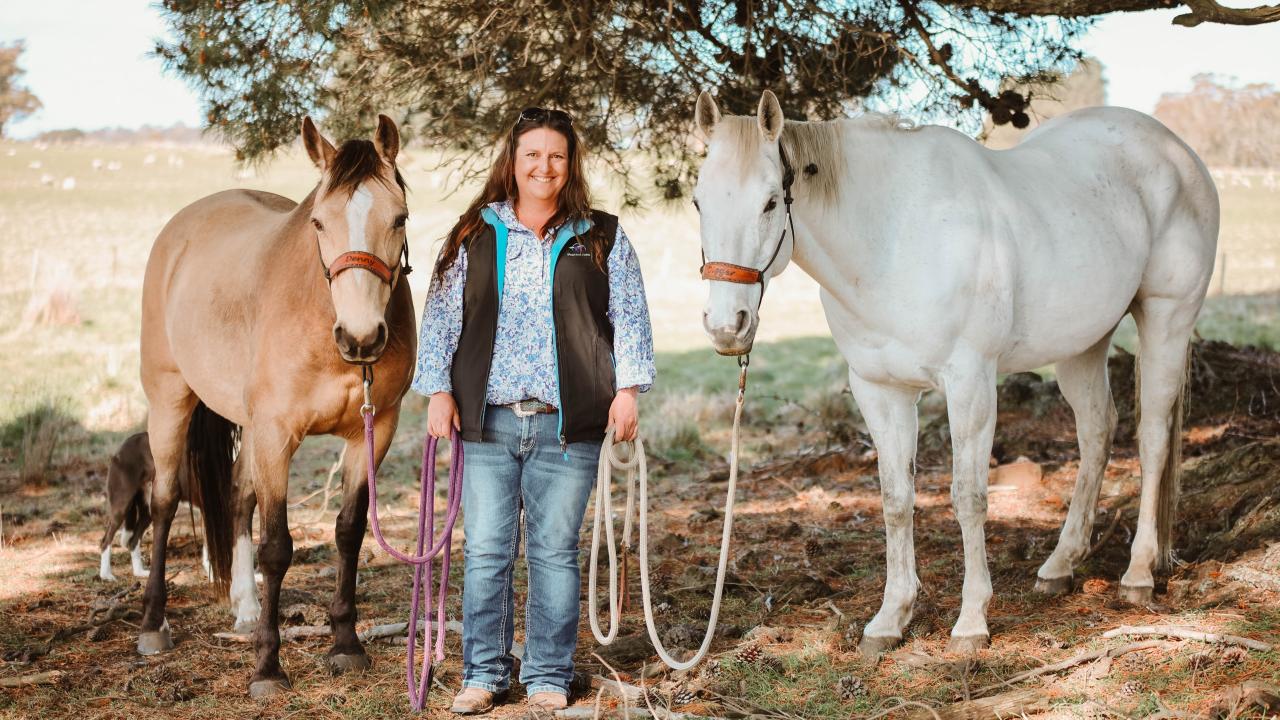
pixel 442 415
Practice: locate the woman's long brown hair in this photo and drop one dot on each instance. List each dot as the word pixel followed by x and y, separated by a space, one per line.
pixel 573 202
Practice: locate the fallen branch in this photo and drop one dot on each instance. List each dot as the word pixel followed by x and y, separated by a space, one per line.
pixel 1073 661
pixel 622 689
pixel 586 713
pixel 627 691
pixel 931 712
pixel 50 677
pixel 1015 703
pixel 1188 634
pixel 377 632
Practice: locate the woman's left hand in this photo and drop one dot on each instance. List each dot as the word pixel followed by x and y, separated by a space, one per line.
pixel 624 415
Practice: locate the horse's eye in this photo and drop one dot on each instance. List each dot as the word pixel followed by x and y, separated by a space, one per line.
pixel 319 226
pixel 400 221
pixel 770 205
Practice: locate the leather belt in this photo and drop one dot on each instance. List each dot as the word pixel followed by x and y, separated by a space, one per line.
pixel 525 408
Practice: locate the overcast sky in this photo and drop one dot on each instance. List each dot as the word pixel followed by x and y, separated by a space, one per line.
pixel 87 61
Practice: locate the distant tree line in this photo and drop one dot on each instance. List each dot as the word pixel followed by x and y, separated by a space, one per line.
pixel 179 134
pixel 1236 126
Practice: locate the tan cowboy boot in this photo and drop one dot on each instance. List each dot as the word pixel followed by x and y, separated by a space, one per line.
pixel 472 701
pixel 548 701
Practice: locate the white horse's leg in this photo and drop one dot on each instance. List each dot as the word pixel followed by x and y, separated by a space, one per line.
pixel 244 591
pixel 1083 381
pixel 971 409
pixel 135 560
pixel 891 417
pixel 1164 330
pixel 104 565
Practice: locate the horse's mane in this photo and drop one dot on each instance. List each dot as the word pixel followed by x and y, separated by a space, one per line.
pixel 815 149
pixel 357 161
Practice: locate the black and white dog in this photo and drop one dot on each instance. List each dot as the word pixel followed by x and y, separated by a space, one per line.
pixel 129 481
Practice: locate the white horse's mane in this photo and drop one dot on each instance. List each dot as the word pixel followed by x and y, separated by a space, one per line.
pixel 817 146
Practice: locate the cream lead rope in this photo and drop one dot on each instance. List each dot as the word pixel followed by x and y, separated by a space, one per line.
pixel 636 464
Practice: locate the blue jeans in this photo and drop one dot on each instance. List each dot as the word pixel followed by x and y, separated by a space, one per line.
pixel 519 465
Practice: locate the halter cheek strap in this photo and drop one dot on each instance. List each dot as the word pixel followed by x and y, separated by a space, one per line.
pixel 729 272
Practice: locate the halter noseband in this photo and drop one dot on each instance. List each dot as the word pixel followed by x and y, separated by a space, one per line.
pixel 729 272
pixel 360 260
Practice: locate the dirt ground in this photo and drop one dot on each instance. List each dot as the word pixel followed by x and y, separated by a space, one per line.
pixel 806 573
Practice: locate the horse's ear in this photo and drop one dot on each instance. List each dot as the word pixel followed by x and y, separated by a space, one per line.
pixel 769 116
pixel 706 114
pixel 386 139
pixel 318 148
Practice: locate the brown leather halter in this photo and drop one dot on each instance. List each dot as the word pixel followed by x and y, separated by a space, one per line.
pixel 729 272
pixel 360 260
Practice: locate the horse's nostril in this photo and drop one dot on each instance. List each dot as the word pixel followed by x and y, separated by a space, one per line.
pixel 744 319
pixel 381 339
pixel 346 343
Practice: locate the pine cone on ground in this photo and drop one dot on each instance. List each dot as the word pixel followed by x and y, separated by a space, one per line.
pixel 1201 660
pixel 755 656
pixel 1131 688
pixel 770 662
pixel 749 654
pixel 850 687
pixel 683 696
pixel 812 549
pixel 1234 655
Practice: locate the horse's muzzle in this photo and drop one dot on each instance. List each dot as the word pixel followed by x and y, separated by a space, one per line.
pixel 365 349
pixel 732 339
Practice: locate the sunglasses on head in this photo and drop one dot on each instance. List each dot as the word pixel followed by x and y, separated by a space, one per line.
pixel 537 114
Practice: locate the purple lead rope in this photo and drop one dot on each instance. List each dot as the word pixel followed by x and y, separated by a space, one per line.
pixel 422 562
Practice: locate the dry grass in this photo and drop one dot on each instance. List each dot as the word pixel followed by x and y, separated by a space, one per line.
pixel 807 572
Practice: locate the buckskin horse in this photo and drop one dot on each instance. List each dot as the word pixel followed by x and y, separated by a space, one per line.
pixel 259 317
pixel 942 264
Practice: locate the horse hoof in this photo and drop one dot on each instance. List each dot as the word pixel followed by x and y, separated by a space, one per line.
pixel 269 687
pixel 246 626
pixel 1137 595
pixel 156 642
pixel 967 644
pixel 872 646
pixel 1053 586
pixel 341 663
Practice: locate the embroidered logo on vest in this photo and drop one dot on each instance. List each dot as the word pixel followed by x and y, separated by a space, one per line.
pixel 578 250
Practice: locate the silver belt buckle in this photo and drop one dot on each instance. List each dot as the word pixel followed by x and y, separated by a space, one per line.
pixel 525 408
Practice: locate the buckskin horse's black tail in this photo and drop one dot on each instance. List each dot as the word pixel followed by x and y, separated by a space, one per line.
pixel 211 447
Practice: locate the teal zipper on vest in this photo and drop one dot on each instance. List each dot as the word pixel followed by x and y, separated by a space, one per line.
pixel 565 234
pixel 500 233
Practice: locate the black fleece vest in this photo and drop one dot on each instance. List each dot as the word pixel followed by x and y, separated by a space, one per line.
pixel 584 335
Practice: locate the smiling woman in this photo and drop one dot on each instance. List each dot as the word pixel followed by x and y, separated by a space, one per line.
pixel 535 338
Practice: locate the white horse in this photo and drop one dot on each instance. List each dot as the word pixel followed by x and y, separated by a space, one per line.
pixel 943 264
